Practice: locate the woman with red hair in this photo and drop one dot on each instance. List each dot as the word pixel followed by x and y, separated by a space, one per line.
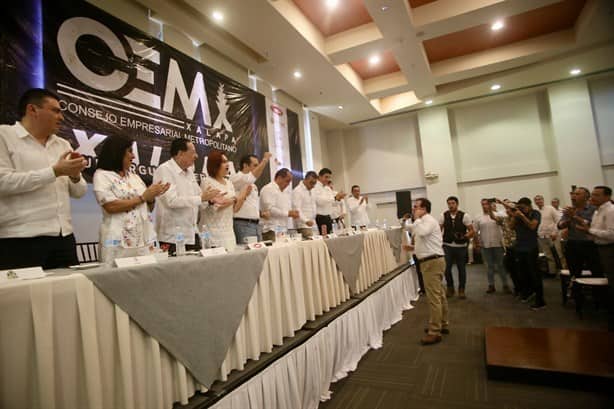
pixel 218 216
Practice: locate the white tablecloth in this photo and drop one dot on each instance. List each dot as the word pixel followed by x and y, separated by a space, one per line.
pixel 63 344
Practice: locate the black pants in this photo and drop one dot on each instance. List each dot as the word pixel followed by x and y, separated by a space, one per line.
pixel 509 263
pixel 458 256
pixel 581 254
pixel 606 256
pixel 45 251
pixel 530 277
pixel 326 221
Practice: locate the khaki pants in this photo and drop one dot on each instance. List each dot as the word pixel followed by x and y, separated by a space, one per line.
pixel 432 271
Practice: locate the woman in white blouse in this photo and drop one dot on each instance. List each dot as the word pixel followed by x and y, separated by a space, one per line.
pixel 127 229
pixel 218 216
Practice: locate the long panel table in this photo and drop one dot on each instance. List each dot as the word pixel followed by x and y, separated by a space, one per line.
pixel 64 344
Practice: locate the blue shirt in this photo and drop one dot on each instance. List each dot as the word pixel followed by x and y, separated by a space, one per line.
pixel 526 239
pixel 586 214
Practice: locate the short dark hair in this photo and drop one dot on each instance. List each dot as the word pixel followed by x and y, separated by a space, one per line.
pixel 606 190
pixel 452 198
pixel 354 187
pixel 34 96
pixel 282 173
pixel 524 201
pixel 179 145
pixel 112 153
pixel 424 203
pixel 246 160
pixel 311 174
pixel 325 171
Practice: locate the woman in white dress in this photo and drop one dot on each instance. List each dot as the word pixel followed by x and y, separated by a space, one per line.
pixel 127 229
pixel 218 216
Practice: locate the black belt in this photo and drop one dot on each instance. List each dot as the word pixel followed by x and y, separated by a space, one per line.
pixel 427 258
pixel 247 220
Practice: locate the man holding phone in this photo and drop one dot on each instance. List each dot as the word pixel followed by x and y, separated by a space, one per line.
pixel 39 174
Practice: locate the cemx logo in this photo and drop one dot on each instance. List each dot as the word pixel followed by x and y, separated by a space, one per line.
pixel 129 59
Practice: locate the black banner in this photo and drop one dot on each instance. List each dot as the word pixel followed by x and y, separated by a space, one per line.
pixel 114 79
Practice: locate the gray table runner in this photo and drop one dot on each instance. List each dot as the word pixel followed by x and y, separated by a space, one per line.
pixel 347 253
pixel 395 238
pixel 191 306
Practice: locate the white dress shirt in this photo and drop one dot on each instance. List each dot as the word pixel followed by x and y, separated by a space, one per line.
pixel 303 200
pixel 273 200
pixel 251 206
pixel 33 201
pixel 548 224
pixel 358 211
pixel 427 236
pixel 325 199
pixel 602 225
pixel 179 206
pixel 338 208
pixel 219 220
pixel 489 231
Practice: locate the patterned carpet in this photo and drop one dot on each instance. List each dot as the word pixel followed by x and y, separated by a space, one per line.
pixel 452 374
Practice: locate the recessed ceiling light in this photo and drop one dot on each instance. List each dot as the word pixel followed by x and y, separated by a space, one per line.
pixel 331 4
pixel 497 25
pixel 575 71
pixel 297 74
pixel 495 87
pixel 340 107
pixel 428 101
pixel 217 15
pixel 384 8
pixel 374 59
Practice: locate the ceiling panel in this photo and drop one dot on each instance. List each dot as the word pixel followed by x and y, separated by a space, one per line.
pixel 346 15
pixel 534 23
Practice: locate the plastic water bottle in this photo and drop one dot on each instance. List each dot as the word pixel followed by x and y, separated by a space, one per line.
pixel 179 242
pixel 205 238
pixel 314 230
pixel 335 228
pixel 111 245
pixel 385 225
pixel 280 233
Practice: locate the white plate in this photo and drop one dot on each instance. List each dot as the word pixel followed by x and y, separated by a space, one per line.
pixel 85 266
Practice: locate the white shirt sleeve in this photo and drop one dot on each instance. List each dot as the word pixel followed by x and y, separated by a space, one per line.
pixel 13 182
pixel 467 220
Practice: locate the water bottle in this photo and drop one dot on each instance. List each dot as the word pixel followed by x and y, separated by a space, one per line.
pixel 205 238
pixel 314 230
pixel 385 225
pixel 179 242
pixel 335 228
pixel 279 233
pixel 377 223
pixel 111 245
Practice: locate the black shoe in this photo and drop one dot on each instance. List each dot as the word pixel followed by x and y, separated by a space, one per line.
pixel 444 331
pixel 538 306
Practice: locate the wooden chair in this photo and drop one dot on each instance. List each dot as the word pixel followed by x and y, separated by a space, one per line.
pixel 87 252
pixel 566 279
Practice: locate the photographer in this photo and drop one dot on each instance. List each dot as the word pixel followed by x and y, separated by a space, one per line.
pixel 525 222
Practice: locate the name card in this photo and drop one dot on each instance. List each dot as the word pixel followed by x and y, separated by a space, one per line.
pixel 28 273
pixel 256 246
pixel 136 261
pixel 217 251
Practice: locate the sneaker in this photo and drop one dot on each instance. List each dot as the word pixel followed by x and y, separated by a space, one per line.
pixel 450 292
pixel 527 298
pixel 461 293
pixel 491 289
pixel 538 306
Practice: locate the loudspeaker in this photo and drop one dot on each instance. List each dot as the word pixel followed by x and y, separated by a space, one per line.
pixel 403 203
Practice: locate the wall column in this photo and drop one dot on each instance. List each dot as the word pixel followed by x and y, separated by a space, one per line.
pixel 437 156
pixel 575 137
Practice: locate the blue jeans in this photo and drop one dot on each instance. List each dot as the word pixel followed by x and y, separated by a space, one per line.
pixel 244 229
pixel 493 257
pixel 458 256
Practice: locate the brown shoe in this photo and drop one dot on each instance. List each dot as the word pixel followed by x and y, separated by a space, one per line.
pixel 450 292
pixel 430 339
pixel 491 289
pixel 461 293
pixel 444 331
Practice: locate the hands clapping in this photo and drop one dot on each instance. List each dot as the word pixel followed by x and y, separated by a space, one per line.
pixel 155 190
pixel 69 164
